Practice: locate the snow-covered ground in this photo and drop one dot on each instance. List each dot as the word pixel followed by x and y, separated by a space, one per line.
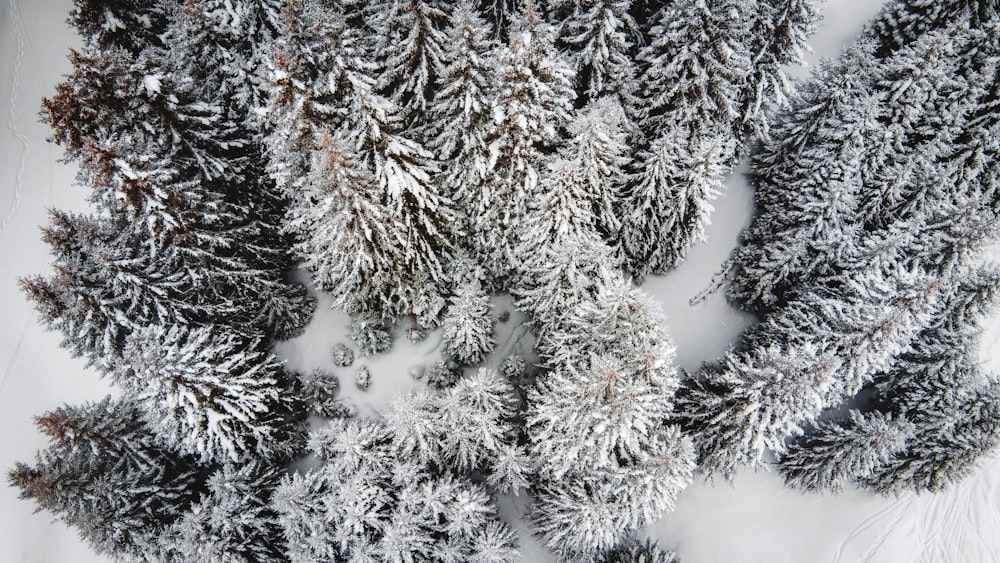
pixel 755 519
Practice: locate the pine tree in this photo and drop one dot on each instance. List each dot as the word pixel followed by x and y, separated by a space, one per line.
pixel 560 275
pixel 232 522
pixel 597 150
pixel 812 354
pixel 608 463
pixel 947 444
pixel 777 38
pixel 408 46
pixel 367 505
pixel 601 35
pixel 468 325
pixel 129 24
pixel 534 102
pixel 635 551
pixel 694 66
pixel 669 204
pixel 837 452
pixel 104 475
pixel 933 406
pixel 808 182
pixel 902 21
pixel 208 393
pixel 460 116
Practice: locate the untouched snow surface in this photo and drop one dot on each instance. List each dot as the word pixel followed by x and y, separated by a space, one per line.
pixel 754 519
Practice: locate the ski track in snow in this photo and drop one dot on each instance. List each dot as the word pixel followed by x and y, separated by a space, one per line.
pixel 17 27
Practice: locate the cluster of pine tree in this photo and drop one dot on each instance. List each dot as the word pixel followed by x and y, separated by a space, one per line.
pixel 415 156
pixel 877 196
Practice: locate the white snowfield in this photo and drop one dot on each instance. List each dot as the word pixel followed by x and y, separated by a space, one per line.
pixel 754 519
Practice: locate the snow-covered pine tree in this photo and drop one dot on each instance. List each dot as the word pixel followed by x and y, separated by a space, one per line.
pixel 903 21
pixel 104 474
pixel 668 206
pixel 501 15
pixel 694 66
pixel 208 393
pixel 348 239
pixel 159 155
pixel 233 522
pixel 367 504
pixel 608 464
pixel 408 45
pixel 560 274
pixel 534 102
pixel 601 36
pixel 597 148
pixel 904 129
pixel 468 332
pixel 315 57
pixel 460 115
pixel 777 38
pixel 946 445
pixel 129 24
pixel 837 452
pixel 925 432
pixel 812 354
pixel 476 434
pixel 635 551
pixel 808 180
pixel 318 390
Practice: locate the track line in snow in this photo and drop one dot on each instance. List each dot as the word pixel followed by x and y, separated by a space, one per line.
pixel 17 27
pixel 15 354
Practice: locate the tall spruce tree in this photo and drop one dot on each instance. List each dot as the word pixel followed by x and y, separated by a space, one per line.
pixel 533 104
pixel 608 464
pixel 105 475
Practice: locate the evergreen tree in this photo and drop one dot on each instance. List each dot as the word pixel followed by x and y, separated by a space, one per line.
pixel 408 46
pixel 459 117
pixel 608 464
pixel 104 475
pixel 670 201
pixel 366 505
pixel 233 522
pixel 597 150
pixel 601 35
pixel 947 443
pixel 634 551
pixel 694 66
pixel 902 21
pixel 534 102
pixel 777 38
pixel 933 410
pixel 836 452
pixel 805 216
pixel 129 24
pixel 812 354
pixel 468 325
pixel 209 394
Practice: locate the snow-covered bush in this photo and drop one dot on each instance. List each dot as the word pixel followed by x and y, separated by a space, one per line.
pixel 342 355
pixel 318 389
pixel 371 335
pixel 513 368
pixel 416 335
pixel 363 378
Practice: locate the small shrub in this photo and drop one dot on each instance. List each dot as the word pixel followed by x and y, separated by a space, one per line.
pixel 363 378
pixel 342 355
